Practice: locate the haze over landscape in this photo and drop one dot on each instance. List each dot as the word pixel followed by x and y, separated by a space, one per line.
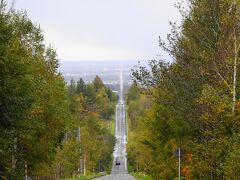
pixel 107 70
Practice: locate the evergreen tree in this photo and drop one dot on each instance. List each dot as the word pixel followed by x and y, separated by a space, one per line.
pixel 97 83
pixel 72 87
pixel 81 87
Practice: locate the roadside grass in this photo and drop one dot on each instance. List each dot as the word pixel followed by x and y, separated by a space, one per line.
pixel 86 177
pixel 112 126
pixel 128 123
pixel 81 178
pixel 141 176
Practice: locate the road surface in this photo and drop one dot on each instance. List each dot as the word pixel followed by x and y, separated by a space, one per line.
pixel 119 172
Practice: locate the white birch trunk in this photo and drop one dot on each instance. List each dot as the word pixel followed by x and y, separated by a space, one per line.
pixel 234 71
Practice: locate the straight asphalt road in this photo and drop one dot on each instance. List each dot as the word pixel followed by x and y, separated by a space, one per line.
pixel 119 172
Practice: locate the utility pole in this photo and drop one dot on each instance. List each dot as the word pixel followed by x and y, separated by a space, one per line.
pixel 84 165
pixel 179 163
pixel 82 161
pixel 79 141
pixel 178 153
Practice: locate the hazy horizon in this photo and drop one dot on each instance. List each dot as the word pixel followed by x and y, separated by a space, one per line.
pixel 108 71
pixel 103 30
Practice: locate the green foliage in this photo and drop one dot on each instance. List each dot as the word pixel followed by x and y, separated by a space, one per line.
pixel 231 165
pixel 97 83
pixel 39 115
pixel 192 98
pixel 34 103
pixel 81 87
pixel 138 111
pixel 67 158
pixel 92 110
pixel 72 87
pixel 133 93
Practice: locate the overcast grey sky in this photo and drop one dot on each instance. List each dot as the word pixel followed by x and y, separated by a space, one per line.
pixel 102 29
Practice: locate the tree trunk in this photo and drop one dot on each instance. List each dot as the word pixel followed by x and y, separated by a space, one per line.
pixel 84 165
pixel 80 150
pixel 234 71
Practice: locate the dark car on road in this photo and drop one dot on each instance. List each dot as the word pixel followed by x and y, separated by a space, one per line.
pixel 117 162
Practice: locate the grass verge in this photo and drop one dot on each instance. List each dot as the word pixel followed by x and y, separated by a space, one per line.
pixel 86 177
pixel 141 176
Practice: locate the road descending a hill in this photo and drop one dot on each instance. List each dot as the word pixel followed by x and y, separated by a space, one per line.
pixel 119 167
